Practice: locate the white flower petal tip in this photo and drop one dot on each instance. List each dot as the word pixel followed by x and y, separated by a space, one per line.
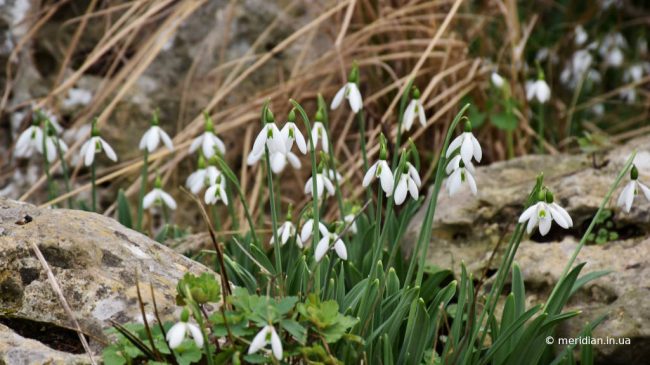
pixel 160 196
pixel 265 336
pixel 538 90
pixel 93 146
pixel 542 214
pixel 351 92
pixel 469 148
pixel 152 138
pixel 179 331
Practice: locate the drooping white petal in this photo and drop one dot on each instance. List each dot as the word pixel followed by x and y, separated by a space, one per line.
pixel 386 178
pixel 169 201
pixel 153 138
pixel 196 143
pixel 561 211
pixel 370 174
pixel 558 217
pixel 166 140
pixel 176 334
pixel 328 186
pixel 260 141
pixel 341 250
pixel 150 198
pixel 293 160
pixel 409 116
pixel 307 229
pixel 223 195
pixel 532 222
pixel 453 164
pixel 309 185
pixel 400 190
pixel 197 335
pixel 323 229
pixel 208 145
pixel 110 153
pixel 545 225
pixel 259 341
pixel 478 152
pixel 89 155
pixel 645 189
pixel 467 149
pixel 285 232
pixel 276 344
pixel 471 182
pixel 50 149
pixel 278 162
pixel 629 196
pixel 338 98
pixel 453 184
pixel 321 248
pixel 414 174
pixel 219 143
pixel 354 96
pixel 413 189
pixel 453 146
pixel 421 115
pixel 528 213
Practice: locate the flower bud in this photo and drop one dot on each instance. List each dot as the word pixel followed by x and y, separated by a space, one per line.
pixel 154 118
pixel 634 173
pixel 95 130
pixel 185 315
pixel 201 162
pixel 468 126
pixel 549 197
pixel 319 116
pixel 209 125
pixel 292 116
pixel 415 92
pixel 354 73
pixel 158 182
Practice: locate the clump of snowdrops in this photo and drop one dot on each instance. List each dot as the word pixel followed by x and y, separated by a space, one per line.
pixel 340 291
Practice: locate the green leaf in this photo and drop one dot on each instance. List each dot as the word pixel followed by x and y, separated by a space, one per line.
pixel 295 329
pixel 202 289
pixel 504 121
pixel 112 356
pixel 123 210
pixel 587 278
pixel 261 257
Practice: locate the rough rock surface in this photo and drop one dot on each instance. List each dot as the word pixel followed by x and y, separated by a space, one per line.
pixel 95 261
pixel 15 349
pixel 468 228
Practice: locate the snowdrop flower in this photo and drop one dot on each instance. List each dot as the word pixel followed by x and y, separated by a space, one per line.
pixel 76 97
pixel 610 49
pixel 208 141
pixel 51 140
pixel 291 133
pixel 264 337
pixel 216 192
pixel 580 35
pixel 30 141
pixel 460 173
pixel 409 182
pixel 177 333
pixel 201 178
pixel 468 144
pixel 94 145
pixel 579 64
pixel 543 213
pixel 631 190
pixel 279 159
pixel 350 91
pixel 497 80
pixel 382 170
pixel 323 183
pixel 538 90
pixel 415 108
pixel 285 232
pixel 332 174
pixel 158 195
pixel 270 137
pixel 308 229
pixel 633 74
pixel 152 137
pixel 318 132
pixel 325 243
pixel 349 218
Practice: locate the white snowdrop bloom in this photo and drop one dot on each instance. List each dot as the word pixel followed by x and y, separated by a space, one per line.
pixel 538 90
pixel 30 141
pixel 382 170
pixel 415 108
pixel 615 57
pixel 630 190
pixel 94 145
pixel 216 192
pixel 463 173
pixel 351 92
pixel 579 64
pixel 291 133
pixel 271 137
pixel 497 80
pixel 208 141
pixel 323 184
pixel 543 213
pixel 158 195
pixel 152 137
pixel 611 49
pixel 349 218
pixel 264 337
pixel 468 144
pixel 51 149
pixel 202 177
pixel 580 35
pixel 179 330
pixel 280 158
pixel 409 182
pixel 285 232
pixel 324 244
pixel 308 228
pixel 318 133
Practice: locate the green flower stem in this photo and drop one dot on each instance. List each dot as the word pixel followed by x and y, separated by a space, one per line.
pixel 143 187
pixel 274 215
pixel 540 127
pixel 583 240
pixel 64 168
pixel 93 178
pixel 316 215
pixel 322 106
pixel 425 233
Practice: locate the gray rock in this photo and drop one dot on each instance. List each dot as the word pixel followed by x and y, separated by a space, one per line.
pixel 468 229
pixel 18 350
pixel 94 259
